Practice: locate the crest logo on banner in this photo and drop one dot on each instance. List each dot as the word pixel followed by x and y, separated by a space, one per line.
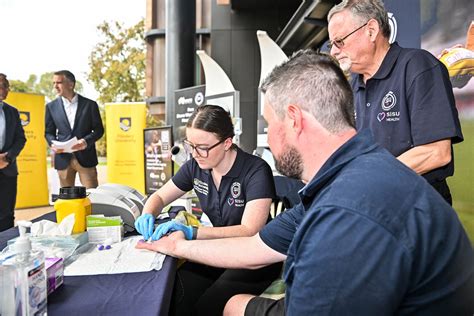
pixel 24 118
pixel 125 123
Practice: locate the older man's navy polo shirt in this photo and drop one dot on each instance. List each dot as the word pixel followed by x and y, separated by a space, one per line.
pixel 372 238
pixel 408 102
pixel 250 178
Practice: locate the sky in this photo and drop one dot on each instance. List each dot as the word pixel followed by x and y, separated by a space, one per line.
pixel 41 36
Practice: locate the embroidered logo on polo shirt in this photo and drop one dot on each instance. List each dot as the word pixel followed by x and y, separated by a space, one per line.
pixel 235 190
pixel 389 101
pixel 200 186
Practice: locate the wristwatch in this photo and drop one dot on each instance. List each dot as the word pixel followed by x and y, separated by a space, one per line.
pixel 195 232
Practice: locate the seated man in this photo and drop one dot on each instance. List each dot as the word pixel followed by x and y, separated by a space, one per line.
pixel 370 236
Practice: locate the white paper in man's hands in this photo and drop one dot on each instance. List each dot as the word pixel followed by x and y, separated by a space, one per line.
pixel 66 146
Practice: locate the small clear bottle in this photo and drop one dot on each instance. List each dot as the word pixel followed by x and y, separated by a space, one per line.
pixel 30 274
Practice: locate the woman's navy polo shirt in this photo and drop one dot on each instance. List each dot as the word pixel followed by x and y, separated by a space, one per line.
pixel 408 102
pixel 250 178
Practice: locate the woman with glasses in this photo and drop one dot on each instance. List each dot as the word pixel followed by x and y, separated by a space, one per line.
pixel 235 190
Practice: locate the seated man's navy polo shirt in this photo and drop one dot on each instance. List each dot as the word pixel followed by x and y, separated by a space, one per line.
pixel 371 237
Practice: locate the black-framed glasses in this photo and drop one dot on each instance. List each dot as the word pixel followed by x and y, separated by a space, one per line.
pixel 202 151
pixel 339 43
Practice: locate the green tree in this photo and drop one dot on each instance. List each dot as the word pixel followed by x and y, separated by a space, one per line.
pixel 45 86
pixel 42 86
pixel 117 68
pixel 117 64
pixel 19 86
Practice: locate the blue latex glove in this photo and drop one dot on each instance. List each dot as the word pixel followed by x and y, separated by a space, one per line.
pixel 172 226
pixel 145 225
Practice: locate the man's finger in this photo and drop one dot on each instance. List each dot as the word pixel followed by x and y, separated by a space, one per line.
pixel 141 244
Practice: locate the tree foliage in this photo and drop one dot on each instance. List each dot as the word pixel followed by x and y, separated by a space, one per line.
pixel 117 67
pixel 117 64
pixel 42 86
pixel 20 86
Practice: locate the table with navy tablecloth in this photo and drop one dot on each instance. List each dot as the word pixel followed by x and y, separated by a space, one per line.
pixel 142 293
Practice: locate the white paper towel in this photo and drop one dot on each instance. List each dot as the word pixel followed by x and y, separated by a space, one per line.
pixel 123 257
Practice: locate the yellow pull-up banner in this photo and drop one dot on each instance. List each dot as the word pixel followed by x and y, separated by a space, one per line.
pixel 125 152
pixel 32 178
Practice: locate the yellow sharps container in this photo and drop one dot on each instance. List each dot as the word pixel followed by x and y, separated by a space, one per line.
pixel 73 200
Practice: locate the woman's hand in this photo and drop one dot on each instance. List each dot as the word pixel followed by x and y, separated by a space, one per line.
pixel 145 225
pixel 172 226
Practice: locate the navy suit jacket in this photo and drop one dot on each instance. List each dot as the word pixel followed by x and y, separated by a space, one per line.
pixel 14 139
pixel 87 125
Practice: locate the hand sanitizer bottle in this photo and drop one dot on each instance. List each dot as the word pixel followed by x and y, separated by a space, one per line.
pixel 31 274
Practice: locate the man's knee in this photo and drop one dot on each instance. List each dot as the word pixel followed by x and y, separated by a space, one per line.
pixel 237 304
pixel 259 305
pixel 67 177
pixel 88 177
pixel 89 181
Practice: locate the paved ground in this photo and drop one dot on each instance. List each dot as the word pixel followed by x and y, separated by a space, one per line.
pixel 30 213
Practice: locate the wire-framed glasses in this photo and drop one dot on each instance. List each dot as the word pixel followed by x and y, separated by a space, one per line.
pixel 339 43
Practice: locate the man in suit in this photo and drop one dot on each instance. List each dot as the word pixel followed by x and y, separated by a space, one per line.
pixel 12 141
pixel 72 115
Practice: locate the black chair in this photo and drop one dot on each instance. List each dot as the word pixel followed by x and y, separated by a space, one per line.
pixel 287 194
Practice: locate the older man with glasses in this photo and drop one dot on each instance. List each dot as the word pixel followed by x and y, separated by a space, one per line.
pixel 403 95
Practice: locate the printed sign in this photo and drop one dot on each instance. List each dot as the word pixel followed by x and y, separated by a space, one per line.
pixel 158 163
